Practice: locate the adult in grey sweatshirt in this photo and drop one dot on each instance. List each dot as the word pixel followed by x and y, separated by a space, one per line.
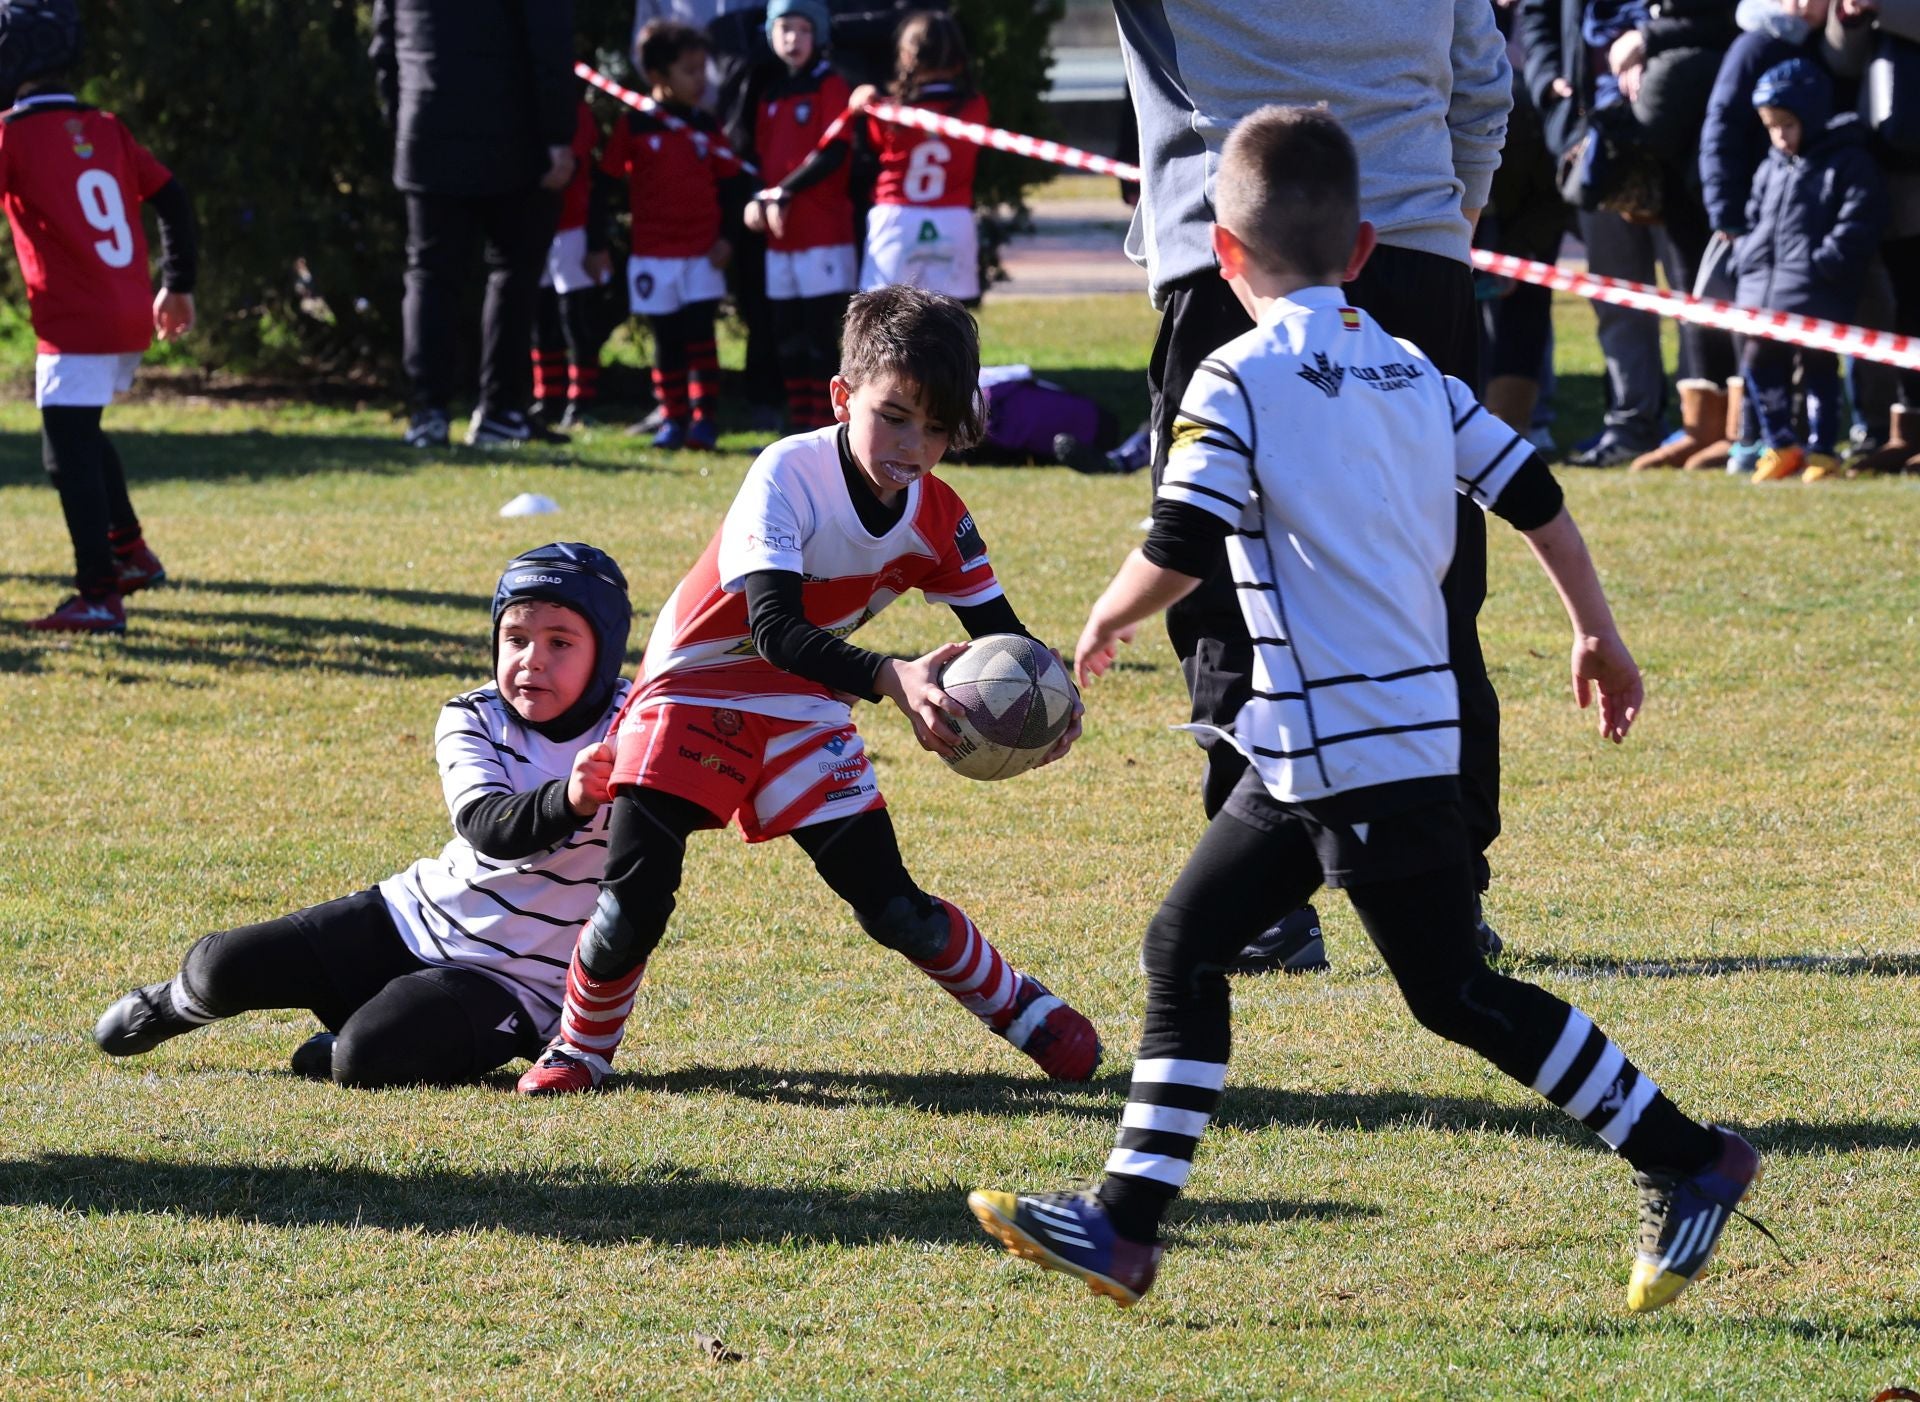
pixel 1424 88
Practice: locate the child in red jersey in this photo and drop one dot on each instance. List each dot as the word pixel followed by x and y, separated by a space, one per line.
pixel 742 707
pixel 920 230
pixel 73 181
pixel 677 167
pixel 805 211
pixel 566 322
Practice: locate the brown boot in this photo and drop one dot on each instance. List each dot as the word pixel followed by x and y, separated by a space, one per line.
pixel 1896 454
pixel 1511 399
pixel 1703 413
pixel 1716 452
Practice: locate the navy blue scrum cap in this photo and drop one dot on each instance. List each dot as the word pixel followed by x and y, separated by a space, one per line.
pixel 585 580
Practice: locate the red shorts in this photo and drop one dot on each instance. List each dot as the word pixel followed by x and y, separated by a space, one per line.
pixel 773 775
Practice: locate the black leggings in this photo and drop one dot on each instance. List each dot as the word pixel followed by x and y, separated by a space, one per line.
pixel 93 491
pixel 400 1021
pixel 1422 923
pixel 858 857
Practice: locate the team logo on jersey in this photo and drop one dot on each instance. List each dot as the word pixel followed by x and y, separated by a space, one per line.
pixel 834 744
pixel 653 142
pixel 1349 318
pixel 77 129
pixel 966 538
pixel 802 111
pixel 1323 375
pixel 1395 374
pixel 928 233
pixel 727 722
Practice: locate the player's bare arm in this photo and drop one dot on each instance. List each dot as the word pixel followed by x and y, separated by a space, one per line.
pixel 1139 590
pixel 1600 658
pixel 914 686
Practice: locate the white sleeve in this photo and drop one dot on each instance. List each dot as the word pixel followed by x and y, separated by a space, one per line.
pixel 1486 452
pixel 765 529
pixel 1210 462
pixel 471 765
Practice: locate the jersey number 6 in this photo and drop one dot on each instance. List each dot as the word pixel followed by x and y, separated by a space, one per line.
pixel 926 178
pixel 100 202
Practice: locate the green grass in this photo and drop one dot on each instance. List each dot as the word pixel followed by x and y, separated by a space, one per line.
pixel 783 1163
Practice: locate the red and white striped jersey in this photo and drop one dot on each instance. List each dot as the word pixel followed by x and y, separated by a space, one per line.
pixel 793 513
pixel 922 167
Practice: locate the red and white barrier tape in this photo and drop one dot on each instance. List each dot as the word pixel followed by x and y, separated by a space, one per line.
pixel 1002 140
pixel 1856 341
pixel 640 102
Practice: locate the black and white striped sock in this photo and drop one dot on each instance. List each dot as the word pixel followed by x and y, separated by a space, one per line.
pixel 1168 1108
pixel 1589 1077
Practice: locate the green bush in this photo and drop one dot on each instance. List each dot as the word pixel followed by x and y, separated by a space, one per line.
pixel 265 110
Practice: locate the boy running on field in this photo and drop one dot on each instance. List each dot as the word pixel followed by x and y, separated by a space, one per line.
pixel 742 708
pixel 1322 455
pixel 73 180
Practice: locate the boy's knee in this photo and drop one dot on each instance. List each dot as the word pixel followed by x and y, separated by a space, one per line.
pixel 1463 1010
pixel 917 928
pixel 621 934
pixel 1174 961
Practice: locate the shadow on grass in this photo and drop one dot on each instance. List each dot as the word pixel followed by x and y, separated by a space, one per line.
pixel 255 455
pixel 256 589
pixel 1605 966
pixel 1247 1107
pixel 662 1203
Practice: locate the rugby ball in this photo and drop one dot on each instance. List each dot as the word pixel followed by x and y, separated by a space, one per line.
pixel 1018 701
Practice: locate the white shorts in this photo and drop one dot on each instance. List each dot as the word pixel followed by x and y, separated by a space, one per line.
pixel 810 272
pixel 566 269
pixel 931 247
pixel 69 381
pixel 661 286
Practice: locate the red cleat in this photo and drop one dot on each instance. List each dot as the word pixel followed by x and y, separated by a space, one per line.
pixel 562 1070
pixel 1061 1041
pixel 136 568
pixel 80 614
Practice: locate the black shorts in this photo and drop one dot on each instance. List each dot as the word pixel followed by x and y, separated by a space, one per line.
pixel 1368 835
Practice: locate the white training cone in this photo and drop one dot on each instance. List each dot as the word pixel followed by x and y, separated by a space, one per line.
pixel 530 504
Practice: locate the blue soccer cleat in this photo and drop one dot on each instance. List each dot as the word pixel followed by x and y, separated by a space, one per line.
pixel 1069 1232
pixel 1681 1220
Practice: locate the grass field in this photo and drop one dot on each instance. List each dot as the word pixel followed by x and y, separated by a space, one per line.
pixel 1734 895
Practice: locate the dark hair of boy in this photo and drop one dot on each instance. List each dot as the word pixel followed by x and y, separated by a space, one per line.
pixel 1289 189
pixel 928 41
pixel 925 337
pixel 663 42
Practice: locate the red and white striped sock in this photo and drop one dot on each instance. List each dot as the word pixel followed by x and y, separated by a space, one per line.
pixel 971 969
pixel 593 1017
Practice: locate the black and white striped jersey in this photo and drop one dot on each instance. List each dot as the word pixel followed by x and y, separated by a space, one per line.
pixel 1335 450
pixel 514 921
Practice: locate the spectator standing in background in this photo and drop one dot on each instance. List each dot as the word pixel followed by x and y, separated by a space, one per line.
pixel 1855 30
pixel 1425 99
pixel 483 102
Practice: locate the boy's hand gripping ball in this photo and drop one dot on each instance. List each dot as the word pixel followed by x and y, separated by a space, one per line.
pixel 1018 701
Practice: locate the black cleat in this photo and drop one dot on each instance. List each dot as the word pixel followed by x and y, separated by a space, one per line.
pixel 140 1021
pixel 313 1058
pixel 1293 946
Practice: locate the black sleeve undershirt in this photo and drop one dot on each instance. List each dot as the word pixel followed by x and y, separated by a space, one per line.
pixel 179 238
pixel 512 825
pixel 816 167
pixel 1532 496
pixel 783 636
pixel 1185 539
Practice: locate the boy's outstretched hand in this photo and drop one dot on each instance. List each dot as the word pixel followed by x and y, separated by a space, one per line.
pixel 172 315
pixel 1603 663
pixel 1098 646
pixel 914 687
pixel 587 784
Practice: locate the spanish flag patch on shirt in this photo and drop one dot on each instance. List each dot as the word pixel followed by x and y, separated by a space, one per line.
pixel 1349 318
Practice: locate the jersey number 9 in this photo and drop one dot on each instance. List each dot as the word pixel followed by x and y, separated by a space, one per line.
pixel 926 178
pixel 100 202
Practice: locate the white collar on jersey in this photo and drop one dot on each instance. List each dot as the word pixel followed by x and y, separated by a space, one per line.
pixel 1307 298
